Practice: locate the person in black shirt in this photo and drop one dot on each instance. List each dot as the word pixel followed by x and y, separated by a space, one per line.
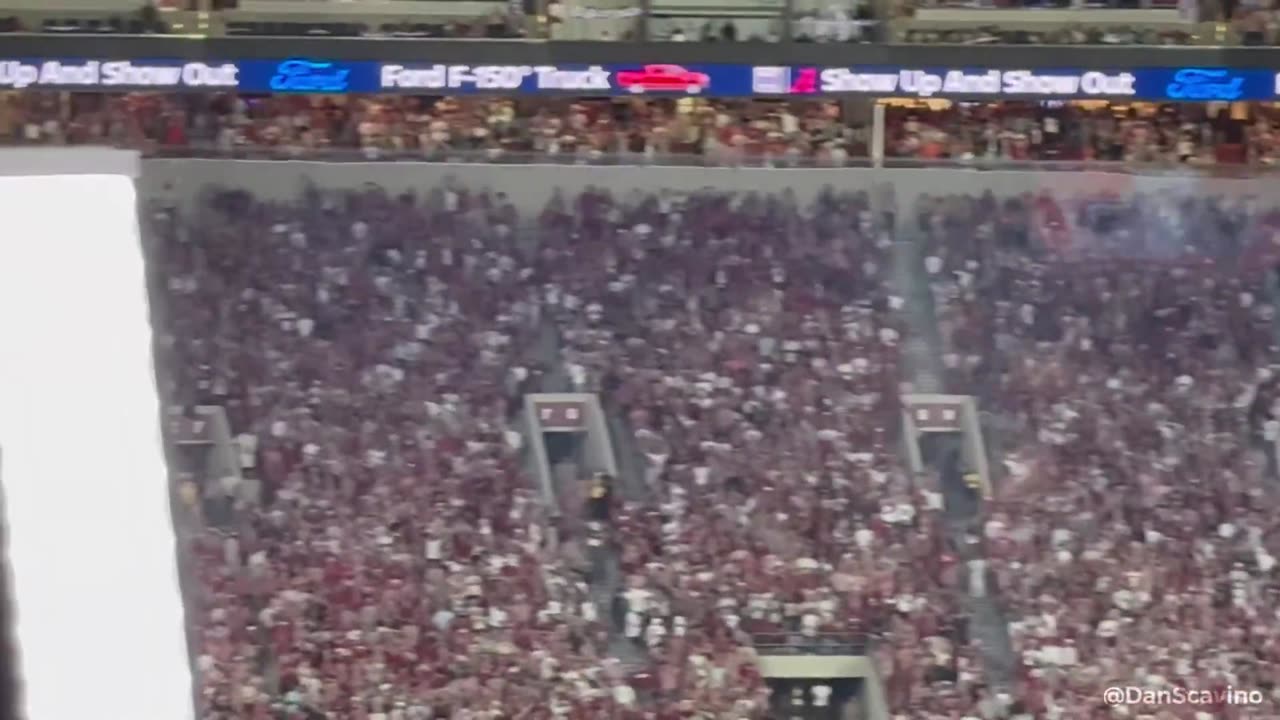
pixel 600 497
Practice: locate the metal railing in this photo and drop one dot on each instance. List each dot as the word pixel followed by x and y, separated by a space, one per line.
pixel 1171 167
pixel 500 157
pixel 712 159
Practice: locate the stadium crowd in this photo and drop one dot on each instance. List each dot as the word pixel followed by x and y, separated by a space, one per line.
pixel 437 127
pixel 368 349
pixel 1130 342
pixel 394 562
pixel 1169 134
pixel 1051 34
pixel 692 130
pixel 762 381
pixel 396 565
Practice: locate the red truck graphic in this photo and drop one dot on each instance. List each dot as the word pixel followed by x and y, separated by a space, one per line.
pixel 663 77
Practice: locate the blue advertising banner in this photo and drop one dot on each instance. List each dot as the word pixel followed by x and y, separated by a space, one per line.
pixel 1170 84
pixel 310 75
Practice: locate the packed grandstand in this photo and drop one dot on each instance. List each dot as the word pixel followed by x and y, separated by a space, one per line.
pixel 899 409
pixel 701 131
pixel 386 553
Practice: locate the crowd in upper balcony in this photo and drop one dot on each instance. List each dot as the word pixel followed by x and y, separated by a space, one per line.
pixel 435 128
pixel 633 130
pixel 1171 134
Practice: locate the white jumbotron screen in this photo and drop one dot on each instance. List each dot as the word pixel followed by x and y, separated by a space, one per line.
pixel 95 596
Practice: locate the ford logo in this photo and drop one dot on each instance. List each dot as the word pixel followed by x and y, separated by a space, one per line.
pixel 1196 84
pixel 310 76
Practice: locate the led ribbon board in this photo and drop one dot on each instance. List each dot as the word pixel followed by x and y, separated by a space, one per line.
pixel 319 75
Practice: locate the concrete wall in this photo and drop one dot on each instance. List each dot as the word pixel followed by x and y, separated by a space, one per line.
pixel 531 185
pixel 816 666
